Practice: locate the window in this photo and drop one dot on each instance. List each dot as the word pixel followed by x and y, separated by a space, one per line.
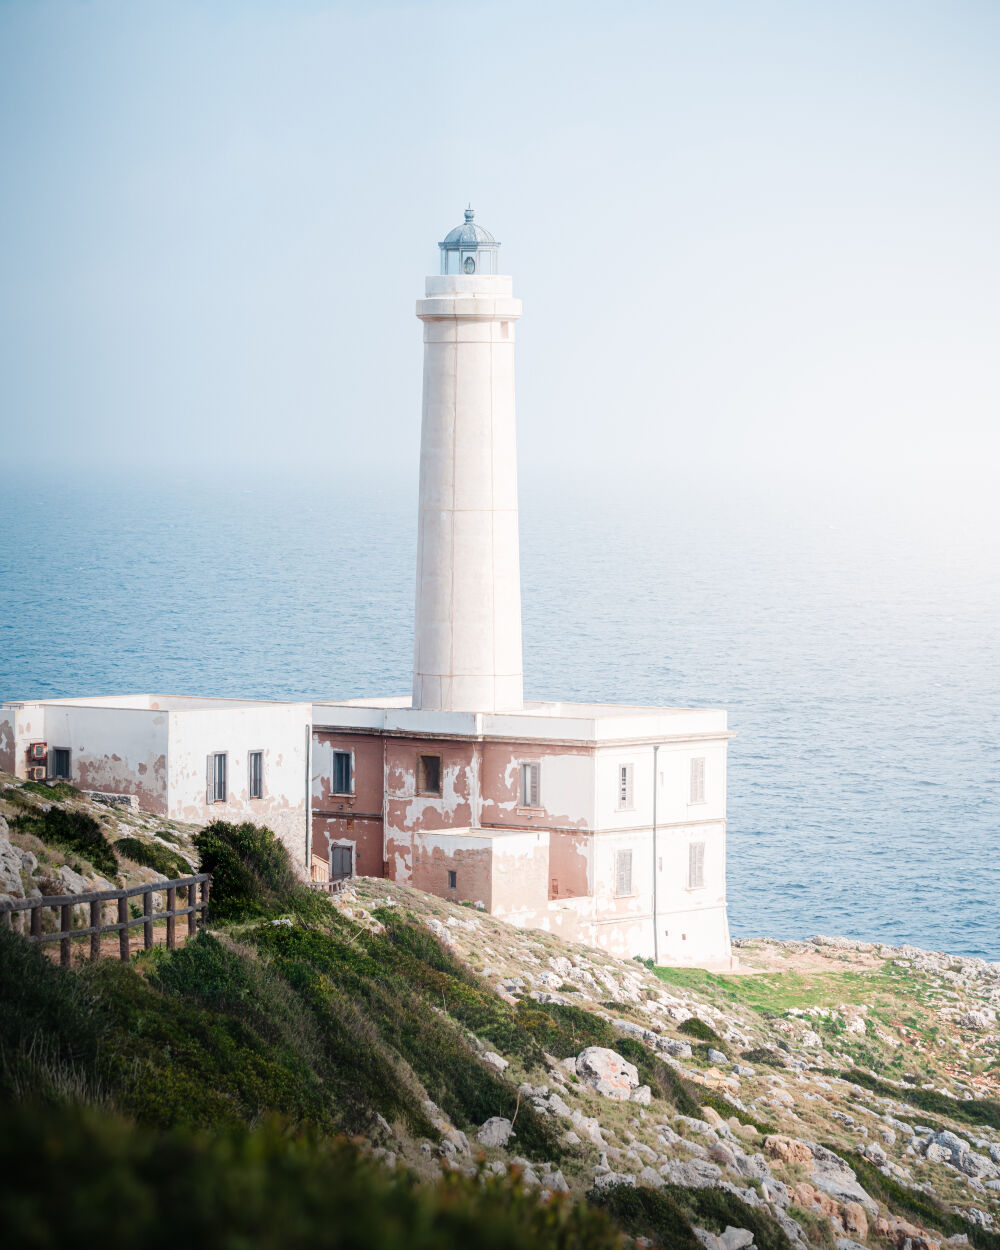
pixel 624 787
pixel 470 264
pixel 428 774
pixel 696 866
pixel 217 777
pixel 697 780
pixel 340 862
pixel 60 769
pixel 623 874
pixel 530 777
pixel 452 879
pixel 343 773
pixel 255 775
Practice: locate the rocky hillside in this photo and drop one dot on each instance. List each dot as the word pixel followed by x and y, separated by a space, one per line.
pixel 832 1094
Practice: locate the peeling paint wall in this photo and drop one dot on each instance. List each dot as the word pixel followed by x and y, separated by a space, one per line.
pixel 364 837
pixel 468 856
pixel 118 750
pixel 278 730
pixel 566 785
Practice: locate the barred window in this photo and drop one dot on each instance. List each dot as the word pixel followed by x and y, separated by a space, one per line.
pixel 696 866
pixel 623 874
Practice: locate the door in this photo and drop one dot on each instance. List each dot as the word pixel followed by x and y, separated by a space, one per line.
pixel 340 862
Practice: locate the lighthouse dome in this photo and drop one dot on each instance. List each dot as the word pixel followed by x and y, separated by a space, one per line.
pixel 469 249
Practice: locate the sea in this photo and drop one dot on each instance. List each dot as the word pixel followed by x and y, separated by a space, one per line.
pixel 850 631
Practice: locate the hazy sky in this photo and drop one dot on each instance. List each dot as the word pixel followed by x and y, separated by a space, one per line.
pixel 749 237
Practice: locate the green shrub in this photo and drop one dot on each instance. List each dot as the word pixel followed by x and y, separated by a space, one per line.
pixel 234 1189
pixel 252 874
pixel 54 790
pixel 714 1209
pixel 152 855
pixel 969 1111
pixel 921 1206
pixel 760 1054
pixel 72 830
pixel 696 1027
pixel 649 1213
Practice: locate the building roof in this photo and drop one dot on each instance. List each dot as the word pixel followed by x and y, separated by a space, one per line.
pixel 469 234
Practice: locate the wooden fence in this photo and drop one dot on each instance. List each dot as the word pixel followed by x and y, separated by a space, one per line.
pixel 329 887
pixel 64 904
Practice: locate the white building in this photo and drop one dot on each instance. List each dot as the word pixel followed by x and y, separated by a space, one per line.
pixel 604 823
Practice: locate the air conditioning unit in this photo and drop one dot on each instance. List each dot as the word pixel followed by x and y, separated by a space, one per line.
pixel 38 751
pixel 36 774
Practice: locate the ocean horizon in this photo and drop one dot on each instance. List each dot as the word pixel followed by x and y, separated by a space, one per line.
pixel 850 636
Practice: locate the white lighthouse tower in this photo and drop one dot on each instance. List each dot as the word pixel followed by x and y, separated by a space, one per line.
pixel 467 641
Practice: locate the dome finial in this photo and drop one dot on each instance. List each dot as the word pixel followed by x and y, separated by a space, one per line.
pixel 470 213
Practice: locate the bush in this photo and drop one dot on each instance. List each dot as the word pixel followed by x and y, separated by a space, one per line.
pixel 152 855
pixel 266 1189
pixel 252 874
pixel 74 831
pixel 697 1028
pixel 968 1110
pixel 649 1213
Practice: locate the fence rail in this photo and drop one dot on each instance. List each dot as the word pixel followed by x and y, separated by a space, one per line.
pixel 64 904
pixel 329 887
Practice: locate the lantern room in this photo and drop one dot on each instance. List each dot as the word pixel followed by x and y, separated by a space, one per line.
pixel 469 249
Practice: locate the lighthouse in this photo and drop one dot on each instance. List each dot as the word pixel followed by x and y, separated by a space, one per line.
pixel 467 627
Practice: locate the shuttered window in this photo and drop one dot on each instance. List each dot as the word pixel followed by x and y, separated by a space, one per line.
pixel 697 780
pixel 217 777
pixel 343 781
pixel 60 763
pixel 696 866
pixel 624 787
pixel 623 874
pixel 530 789
pixel 255 775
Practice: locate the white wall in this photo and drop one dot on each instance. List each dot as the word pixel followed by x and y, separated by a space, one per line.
pixel 281 731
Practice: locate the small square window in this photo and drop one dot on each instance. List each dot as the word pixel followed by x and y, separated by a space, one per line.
pixel 343 773
pixel 452 879
pixel 255 775
pixel 428 774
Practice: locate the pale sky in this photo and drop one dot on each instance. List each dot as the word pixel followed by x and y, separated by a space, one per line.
pixel 751 238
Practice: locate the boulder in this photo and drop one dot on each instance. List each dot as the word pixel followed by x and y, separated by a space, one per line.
pixel 978 1021
pixel 832 1175
pixel 677 1049
pixel 716 1056
pixel 495 1132
pixel 607 1072
pixel 787 1149
pixel 496 1061
pixel 610 1179
pixel 736 1238
pixel 643 1095
pixel 10 870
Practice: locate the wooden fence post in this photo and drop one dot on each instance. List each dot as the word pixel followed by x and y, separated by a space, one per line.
pixel 65 924
pixel 192 898
pixel 147 911
pixel 204 901
pixel 95 924
pixel 36 922
pixel 123 919
pixel 171 918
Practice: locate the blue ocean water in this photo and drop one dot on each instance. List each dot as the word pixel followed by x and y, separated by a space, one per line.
pixel 853 639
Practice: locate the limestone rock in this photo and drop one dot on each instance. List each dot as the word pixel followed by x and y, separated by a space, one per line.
pixel 495 1132
pixel 643 1095
pixel 607 1072
pixel 787 1149
pixel 496 1061
pixel 736 1238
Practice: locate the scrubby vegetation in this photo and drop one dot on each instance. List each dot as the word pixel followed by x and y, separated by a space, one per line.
pixel 152 855
pixel 100 1181
pixel 72 830
pixel 665 1215
pixel 253 877
pixel 968 1110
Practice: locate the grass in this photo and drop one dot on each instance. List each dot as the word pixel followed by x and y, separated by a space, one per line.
pixel 978 1111
pixel 666 1215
